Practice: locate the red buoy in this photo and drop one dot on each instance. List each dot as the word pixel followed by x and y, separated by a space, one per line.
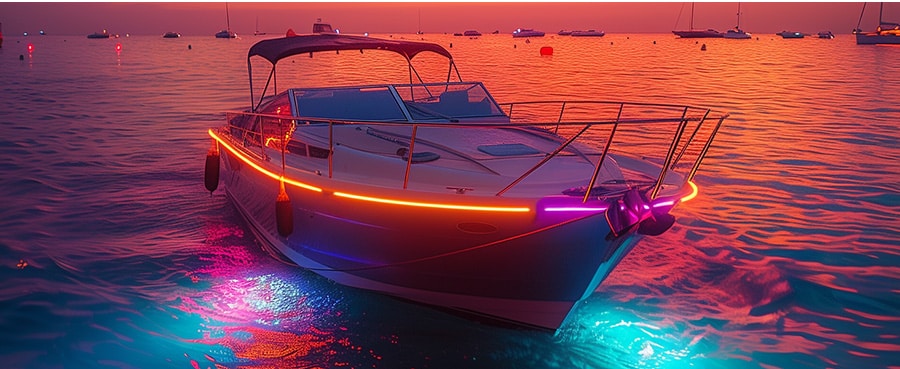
pixel 546 50
pixel 211 173
pixel 284 215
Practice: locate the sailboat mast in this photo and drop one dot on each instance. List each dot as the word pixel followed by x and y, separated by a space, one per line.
pixel 739 16
pixel 880 11
pixel 692 17
pixel 227 19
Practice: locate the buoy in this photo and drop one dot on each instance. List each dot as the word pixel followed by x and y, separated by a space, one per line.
pixel 546 50
pixel 451 45
pixel 284 215
pixel 189 46
pixel 703 48
pixel 211 173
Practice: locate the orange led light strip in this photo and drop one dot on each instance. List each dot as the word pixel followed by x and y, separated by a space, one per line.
pixel 693 194
pixel 259 168
pixel 434 205
pixel 507 209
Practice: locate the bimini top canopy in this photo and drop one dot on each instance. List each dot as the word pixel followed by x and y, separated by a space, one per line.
pixel 276 49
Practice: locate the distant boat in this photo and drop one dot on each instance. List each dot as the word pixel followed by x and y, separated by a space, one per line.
pixel 419 32
pixel 694 33
pixel 826 34
pixel 226 33
pixel 887 33
pixel 320 27
pixel 527 32
pixel 790 34
pixel 102 34
pixel 171 35
pixel 737 33
pixel 563 32
pixel 588 33
pixel 472 33
pixel 257 32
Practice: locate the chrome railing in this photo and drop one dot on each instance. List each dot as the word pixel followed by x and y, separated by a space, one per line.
pixel 686 133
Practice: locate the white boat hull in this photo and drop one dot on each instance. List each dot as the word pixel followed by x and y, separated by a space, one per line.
pixel 507 267
pixel 435 193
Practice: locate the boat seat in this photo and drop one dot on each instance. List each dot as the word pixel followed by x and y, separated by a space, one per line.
pixel 457 104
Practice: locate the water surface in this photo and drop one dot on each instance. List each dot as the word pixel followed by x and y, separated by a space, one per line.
pixel 113 255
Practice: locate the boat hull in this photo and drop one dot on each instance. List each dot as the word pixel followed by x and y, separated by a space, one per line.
pixel 877 39
pixel 523 268
pixel 698 34
pixel 737 35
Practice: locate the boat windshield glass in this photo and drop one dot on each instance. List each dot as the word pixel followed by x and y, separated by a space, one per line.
pixel 448 100
pixel 349 103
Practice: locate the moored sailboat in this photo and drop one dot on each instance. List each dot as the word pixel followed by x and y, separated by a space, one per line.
pixel 226 33
pixel 696 33
pixel 737 33
pixel 887 33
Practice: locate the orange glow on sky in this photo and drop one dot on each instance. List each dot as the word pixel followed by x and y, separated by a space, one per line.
pixel 203 19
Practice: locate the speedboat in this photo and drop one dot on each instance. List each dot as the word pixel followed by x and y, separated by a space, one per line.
pixel 588 33
pixel 791 34
pixel 527 32
pixel 433 192
pixel 471 33
pixel 102 34
pixel 320 27
pixel 825 34
pixel 171 35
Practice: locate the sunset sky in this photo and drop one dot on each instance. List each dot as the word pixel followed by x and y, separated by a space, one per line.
pixel 202 19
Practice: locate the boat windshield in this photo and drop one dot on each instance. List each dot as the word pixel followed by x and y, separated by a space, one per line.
pixel 424 102
pixel 448 101
pixel 375 103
